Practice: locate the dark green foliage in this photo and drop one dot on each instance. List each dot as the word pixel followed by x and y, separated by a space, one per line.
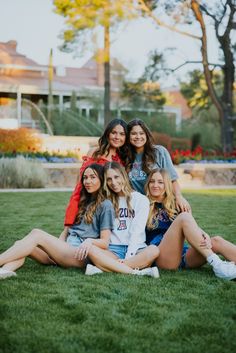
pixel 143 94
pixel 73 102
pixel 72 123
pixel 53 310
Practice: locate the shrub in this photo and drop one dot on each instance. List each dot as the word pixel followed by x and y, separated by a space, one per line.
pixel 162 139
pixel 180 143
pixel 19 140
pixel 21 173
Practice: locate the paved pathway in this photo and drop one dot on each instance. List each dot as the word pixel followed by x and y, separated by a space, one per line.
pixel 187 186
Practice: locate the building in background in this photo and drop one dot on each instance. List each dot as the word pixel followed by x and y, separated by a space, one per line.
pixel 24 87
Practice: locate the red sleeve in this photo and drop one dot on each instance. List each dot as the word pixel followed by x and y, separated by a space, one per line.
pixel 73 206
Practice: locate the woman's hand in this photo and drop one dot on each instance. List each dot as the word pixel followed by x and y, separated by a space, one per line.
pixel 82 252
pixel 182 204
pixel 206 241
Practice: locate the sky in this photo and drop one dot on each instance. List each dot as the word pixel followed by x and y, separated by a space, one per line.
pixel 36 28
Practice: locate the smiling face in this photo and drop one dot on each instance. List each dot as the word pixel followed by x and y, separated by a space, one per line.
pixel 115 181
pixel 116 137
pixel 138 138
pixel 91 181
pixel 156 187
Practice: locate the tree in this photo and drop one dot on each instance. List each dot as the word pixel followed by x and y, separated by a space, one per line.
pixel 82 18
pixel 50 94
pixel 73 101
pixel 195 89
pixel 143 94
pixel 222 16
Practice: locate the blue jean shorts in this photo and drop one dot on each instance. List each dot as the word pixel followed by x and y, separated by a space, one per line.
pixel 74 240
pixel 118 250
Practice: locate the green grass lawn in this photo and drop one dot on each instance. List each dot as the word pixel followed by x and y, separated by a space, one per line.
pixel 49 309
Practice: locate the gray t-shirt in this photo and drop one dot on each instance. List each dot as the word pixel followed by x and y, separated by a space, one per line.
pixel 138 177
pixel 103 218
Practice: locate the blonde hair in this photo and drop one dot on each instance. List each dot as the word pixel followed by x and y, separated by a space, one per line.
pixel 126 187
pixel 168 201
pixel 90 202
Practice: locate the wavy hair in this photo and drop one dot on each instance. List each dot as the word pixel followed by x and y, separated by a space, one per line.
pixel 103 142
pixel 149 153
pixel 168 201
pixel 126 187
pixel 90 202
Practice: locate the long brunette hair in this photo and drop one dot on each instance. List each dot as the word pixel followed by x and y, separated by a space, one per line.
pixel 89 202
pixel 149 153
pixel 103 142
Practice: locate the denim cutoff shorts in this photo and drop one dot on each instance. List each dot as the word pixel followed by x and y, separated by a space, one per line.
pixel 121 250
pixel 74 240
pixel 118 250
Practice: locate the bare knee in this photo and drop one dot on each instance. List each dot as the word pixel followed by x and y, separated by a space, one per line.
pixel 35 232
pixel 153 252
pixel 184 218
pixel 216 243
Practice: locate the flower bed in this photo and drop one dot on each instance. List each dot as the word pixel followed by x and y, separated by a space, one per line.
pixel 44 157
pixel 200 156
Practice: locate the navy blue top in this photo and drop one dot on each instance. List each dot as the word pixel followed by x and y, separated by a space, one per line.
pixel 161 224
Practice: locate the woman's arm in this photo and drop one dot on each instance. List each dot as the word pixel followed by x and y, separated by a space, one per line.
pixel 72 208
pixel 136 230
pixel 182 204
pixel 105 217
pixel 82 252
pixel 64 234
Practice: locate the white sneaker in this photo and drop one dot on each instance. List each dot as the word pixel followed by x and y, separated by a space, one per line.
pixel 6 273
pixel 92 270
pixel 150 271
pixel 225 270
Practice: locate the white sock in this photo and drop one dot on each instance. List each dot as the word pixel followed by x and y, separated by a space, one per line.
pixel 213 259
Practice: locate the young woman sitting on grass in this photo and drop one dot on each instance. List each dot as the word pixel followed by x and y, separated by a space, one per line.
pixel 127 250
pixel 92 226
pixel 168 230
pixel 111 147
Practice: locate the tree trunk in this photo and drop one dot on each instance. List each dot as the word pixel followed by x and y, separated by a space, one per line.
pixel 223 106
pixel 107 112
pixel 50 95
pixel 229 73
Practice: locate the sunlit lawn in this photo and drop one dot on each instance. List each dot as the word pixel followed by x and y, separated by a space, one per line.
pixel 49 309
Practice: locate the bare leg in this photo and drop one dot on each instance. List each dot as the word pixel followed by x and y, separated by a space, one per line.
pixel 42 257
pixel 107 261
pixel 38 254
pixel 144 258
pixel 224 247
pixel 61 252
pixel 183 227
pixel 14 265
pixel 194 259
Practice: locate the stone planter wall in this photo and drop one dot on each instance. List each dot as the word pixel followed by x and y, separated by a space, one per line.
pixel 190 175
pixel 208 174
pixel 62 175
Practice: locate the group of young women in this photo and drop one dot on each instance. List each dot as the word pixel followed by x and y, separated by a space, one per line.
pixel 111 226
